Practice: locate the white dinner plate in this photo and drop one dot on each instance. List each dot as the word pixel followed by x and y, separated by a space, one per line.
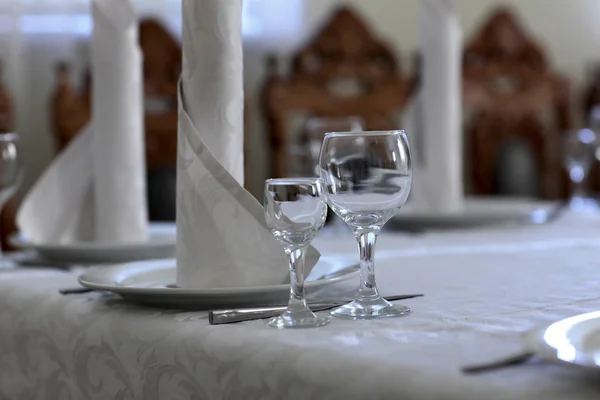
pixel 161 244
pixel 574 340
pixel 476 212
pixel 153 283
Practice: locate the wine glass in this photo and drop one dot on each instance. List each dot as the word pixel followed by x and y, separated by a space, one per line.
pixel 295 212
pixel 368 177
pixel 10 176
pixel 580 148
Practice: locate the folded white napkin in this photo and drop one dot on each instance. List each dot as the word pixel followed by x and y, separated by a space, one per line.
pixel 96 188
pixel 433 120
pixel 222 238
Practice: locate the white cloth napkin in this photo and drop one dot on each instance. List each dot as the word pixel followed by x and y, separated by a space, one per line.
pixel 96 188
pixel 222 238
pixel 433 120
pixel 118 120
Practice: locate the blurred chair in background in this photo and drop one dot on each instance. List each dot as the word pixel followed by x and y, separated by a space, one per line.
pixel 591 114
pixel 515 111
pixel 591 95
pixel 344 71
pixel 70 108
pixel 7 118
pixel 6 107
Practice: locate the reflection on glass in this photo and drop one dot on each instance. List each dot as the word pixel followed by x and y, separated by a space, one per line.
pixel 309 144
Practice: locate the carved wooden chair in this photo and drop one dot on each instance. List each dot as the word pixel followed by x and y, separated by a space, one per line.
pixel 162 64
pixel 512 98
pixel 590 106
pixel 591 93
pixel 343 71
pixel 7 216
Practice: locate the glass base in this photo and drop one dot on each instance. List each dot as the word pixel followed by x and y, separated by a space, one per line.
pixel 370 309
pixel 298 319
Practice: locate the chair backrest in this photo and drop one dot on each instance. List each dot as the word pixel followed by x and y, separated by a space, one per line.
pixel 590 105
pixel 6 107
pixel 7 216
pixel 344 70
pixel 510 93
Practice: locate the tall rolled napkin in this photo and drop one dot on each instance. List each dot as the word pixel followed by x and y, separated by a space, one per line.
pixel 118 115
pixel 96 188
pixel 222 238
pixel 433 120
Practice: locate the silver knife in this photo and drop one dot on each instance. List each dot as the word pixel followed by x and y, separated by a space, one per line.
pixel 219 317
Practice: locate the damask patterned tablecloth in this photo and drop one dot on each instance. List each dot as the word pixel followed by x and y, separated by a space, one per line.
pixel 483 289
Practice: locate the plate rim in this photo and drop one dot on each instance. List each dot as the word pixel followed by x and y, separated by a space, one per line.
pixel 19 240
pixel 535 342
pixel 353 270
pixel 408 214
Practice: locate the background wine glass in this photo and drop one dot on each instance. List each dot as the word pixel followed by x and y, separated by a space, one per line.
pixel 10 176
pixel 580 148
pixel 295 212
pixel 368 176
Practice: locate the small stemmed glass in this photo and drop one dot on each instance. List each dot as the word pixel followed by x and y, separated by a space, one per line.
pixel 295 212
pixel 368 176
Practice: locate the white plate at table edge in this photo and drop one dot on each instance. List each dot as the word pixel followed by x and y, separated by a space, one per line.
pixel 161 243
pixel 476 211
pixel 108 278
pixel 551 342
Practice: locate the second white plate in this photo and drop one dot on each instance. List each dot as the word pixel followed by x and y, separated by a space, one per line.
pixel 161 244
pixel 476 212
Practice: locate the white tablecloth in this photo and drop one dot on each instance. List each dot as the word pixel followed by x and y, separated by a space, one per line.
pixel 483 289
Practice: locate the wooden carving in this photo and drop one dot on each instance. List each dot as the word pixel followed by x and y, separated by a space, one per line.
pixel 509 91
pixel 502 43
pixel 6 107
pixel 7 214
pixel 591 97
pixel 70 109
pixel 162 59
pixel 591 113
pixel 343 71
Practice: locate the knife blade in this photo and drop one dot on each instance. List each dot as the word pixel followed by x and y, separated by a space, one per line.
pixel 229 316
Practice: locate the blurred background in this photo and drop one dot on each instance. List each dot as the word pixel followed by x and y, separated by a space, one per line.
pixel 531 73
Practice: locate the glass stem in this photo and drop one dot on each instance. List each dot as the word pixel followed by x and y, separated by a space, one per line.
pixel 366 245
pixel 296 259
